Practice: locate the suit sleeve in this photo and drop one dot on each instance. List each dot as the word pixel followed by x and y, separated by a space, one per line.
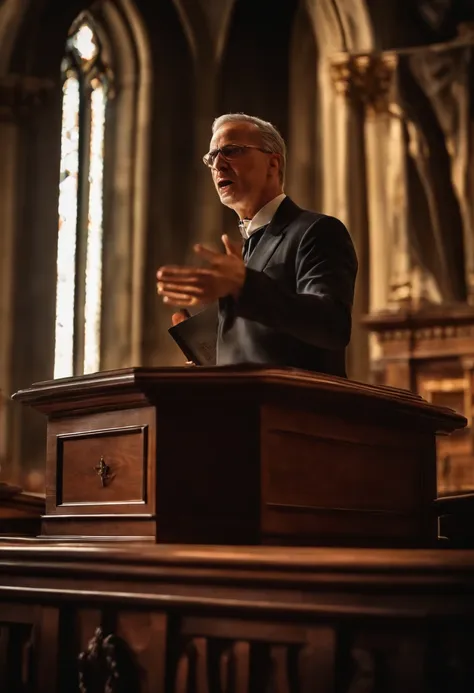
pixel 318 312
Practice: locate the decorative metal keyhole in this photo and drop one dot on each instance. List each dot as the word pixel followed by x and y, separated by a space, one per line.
pixel 103 471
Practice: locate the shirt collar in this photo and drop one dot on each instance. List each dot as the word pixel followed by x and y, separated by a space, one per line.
pixel 264 216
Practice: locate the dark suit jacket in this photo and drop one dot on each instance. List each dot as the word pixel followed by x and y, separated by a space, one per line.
pixel 295 307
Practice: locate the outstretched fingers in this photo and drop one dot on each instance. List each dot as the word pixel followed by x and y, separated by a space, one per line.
pixel 179 299
pixel 180 287
pixel 177 273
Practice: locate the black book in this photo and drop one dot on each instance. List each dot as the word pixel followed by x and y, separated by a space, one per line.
pixel 197 337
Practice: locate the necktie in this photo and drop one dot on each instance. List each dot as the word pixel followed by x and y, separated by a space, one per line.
pixel 251 243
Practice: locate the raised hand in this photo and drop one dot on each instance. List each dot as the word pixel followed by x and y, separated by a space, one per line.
pixel 190 286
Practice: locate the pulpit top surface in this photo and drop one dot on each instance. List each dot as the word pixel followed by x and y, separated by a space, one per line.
pixel 141 386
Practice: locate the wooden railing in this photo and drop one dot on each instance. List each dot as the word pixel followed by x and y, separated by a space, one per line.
pixel 152 619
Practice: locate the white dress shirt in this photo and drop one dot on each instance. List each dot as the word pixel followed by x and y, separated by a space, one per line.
pixel 264 216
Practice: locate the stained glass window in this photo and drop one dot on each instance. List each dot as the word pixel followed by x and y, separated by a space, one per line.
pixel 86 90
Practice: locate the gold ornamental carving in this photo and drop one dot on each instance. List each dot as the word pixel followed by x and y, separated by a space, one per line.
pixel 366 79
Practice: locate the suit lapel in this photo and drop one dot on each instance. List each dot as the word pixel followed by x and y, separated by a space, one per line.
pixel 273 234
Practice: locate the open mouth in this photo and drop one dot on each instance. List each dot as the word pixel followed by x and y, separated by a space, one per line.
pixel 224 184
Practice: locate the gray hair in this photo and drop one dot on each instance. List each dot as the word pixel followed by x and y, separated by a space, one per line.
pixel 271 138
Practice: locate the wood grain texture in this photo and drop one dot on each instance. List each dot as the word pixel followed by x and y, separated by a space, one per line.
pixel 241 620
pixel 239 456
pixel 125 387
pixel 75 498
pixel 123 451
pixel 21 514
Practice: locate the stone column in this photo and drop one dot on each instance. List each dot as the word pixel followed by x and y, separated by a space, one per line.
pixel 8 190
pixel 370 81
pixel 18 95
pixel 208 209
pixel 345 193
pixel 213 36
pixel 373 85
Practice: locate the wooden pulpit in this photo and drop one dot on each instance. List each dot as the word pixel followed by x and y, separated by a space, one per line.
pixel 20 511
pixel 238 456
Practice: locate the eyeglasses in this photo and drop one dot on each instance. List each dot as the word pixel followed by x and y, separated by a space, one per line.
pixel 230 152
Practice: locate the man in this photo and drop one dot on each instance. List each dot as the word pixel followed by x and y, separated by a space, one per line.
pixel 287 299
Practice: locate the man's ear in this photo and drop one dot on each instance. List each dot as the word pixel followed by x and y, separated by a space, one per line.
pixel 276 161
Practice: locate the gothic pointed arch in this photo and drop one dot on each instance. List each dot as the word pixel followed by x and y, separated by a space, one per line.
pixel 87 74
pixel 96 60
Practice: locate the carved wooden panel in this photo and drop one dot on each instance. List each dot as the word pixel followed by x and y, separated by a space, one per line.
pixel 108 666
pixel 220 655
pixel 115 651
pixel 146 634
pixel 16 645
pixel 29 641
pixel 226 620
pixel 407 659
pixel 224 666
pixel 247 656
pixel 147 652
pixel 102 466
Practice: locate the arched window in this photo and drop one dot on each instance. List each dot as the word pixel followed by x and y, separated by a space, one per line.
pixel 86 91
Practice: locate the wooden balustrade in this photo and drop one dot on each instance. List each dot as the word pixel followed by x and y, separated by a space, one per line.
pixel 152 619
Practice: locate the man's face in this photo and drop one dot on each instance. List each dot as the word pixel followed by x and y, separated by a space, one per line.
pixel 246 179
